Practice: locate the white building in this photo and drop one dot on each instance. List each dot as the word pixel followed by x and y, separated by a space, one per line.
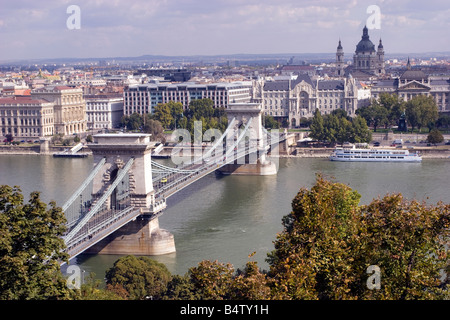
pixel 103 111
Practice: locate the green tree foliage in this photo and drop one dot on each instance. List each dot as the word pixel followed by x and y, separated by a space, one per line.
pixel 435 136
pixel 31 247
pixel 133 122
pixel 271 123
pixel 202 110
pixel 421 111
pixel 337 128
pixel 163 114
pixel 139 276
pixel 312 256
pixel 408 240
pixel 329 241
pixel 155 128
pixel 212 280
pixel 250 284
pixel 375 115
pixel 317 126
pixel 443 121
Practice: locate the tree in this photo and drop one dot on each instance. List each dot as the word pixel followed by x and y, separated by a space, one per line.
pixel 329 241
pixel 421 111
pixel 155 128
pixel 435 136
pixel 212 280
pixel 31 247
pixel 271 123
pixel 201 108
pixel 250 284
pixel 313 254
pixel 163 114
pixel 9 138
pixel 176 110
pixel 139 276
pixel 180 288
pixel 360 131
pixel 443 121
pixel 132 122
pixel 375 115
pixel 393 106
pixel 408 240
pixel 317 126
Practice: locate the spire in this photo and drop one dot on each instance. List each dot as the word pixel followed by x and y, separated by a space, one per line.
pixel 380 46
pixel 339 45
pixel 365 33
pixel 408 65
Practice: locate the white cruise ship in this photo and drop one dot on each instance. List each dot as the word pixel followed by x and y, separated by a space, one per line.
pixel 394 155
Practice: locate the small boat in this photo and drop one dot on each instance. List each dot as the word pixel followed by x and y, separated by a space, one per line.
pixel 371 155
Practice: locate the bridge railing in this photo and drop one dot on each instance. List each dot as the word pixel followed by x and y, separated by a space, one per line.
pixel 97 207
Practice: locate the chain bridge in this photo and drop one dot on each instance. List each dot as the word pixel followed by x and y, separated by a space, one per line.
pixel 116 208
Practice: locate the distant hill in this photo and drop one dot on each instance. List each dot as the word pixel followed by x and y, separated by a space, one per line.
pixel 241 57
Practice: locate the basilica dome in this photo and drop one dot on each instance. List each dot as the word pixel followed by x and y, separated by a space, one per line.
pixel 365 45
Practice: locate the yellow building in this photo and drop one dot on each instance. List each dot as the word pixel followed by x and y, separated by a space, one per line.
pixel 69 107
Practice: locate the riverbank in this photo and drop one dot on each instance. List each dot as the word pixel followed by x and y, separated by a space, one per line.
pixel 426 152
pixel 34 150
pixel 440 152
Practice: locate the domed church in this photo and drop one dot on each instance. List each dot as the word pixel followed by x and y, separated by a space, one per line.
pixel 366 61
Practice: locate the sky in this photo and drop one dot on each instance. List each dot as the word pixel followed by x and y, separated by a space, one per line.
pixel 31 29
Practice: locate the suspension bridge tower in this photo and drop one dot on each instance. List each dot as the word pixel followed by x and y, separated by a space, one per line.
pixel 141 236
pixel 249 114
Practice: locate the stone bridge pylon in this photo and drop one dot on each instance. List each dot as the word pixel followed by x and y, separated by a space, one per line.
pixel 141 236
pixel 255 163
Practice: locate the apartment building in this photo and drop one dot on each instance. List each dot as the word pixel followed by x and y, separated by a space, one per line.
pixel 143 98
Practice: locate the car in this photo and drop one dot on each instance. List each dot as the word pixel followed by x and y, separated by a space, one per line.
pixel 163 180
pixel 448 142
pixel 376 144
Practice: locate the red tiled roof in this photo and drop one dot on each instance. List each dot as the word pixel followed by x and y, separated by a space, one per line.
pixel 21 100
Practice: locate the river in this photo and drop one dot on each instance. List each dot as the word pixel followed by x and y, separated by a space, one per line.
pixel 226 218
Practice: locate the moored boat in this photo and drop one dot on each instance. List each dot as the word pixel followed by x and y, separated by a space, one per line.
pixel 388 155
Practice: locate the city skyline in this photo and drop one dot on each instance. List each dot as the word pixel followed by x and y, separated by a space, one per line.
pixel 40 30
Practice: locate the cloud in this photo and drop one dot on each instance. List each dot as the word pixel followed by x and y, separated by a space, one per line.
pixel 172 27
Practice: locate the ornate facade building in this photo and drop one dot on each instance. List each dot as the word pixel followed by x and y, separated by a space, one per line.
pixel 415 82
pixel 290 100
pixel 26 118
pixel 69 107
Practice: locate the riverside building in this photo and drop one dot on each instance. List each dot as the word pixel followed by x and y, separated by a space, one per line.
pixel 26 118
pixel 290 100
pixel 69 108
pixel 143 98
pixel 103 111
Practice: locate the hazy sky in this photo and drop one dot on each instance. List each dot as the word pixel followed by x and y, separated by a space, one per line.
pixel 119 28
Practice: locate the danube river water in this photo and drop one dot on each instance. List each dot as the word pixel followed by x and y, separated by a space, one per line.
pixel 226 218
